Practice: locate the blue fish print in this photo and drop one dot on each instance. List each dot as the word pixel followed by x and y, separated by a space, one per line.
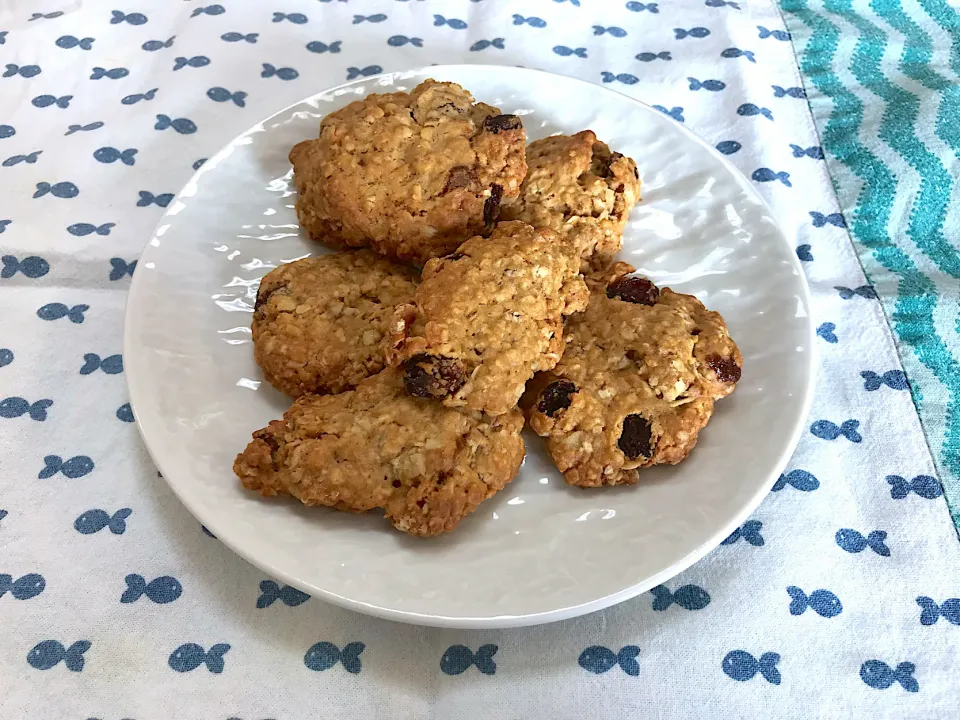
pixel 814 153
pixel 749 531
pixel 324 655
pixel 823 602
pixel 49 653
pixel 118 17
pixel 877 674
pixel 729 147
pixel 30 159
pixel 775 34
pixel 180 125
pixel 854 542
pixel 721 3
pixel 68 42
pixel 710 85
pixel 930 611
pixel 835 219
pixel 4 224
pixel 624 78
pixel 864 291
pixel 137 97
pixel 749 109
pixel 125 413
pixel 240 37
pixel 111 154
pixel 32 267
pixel 14 407
pixel 7 131
pixel 284 73
pixel 3 514
pixel 83 128
pixel 111 365
pixel 455 23
pixel 741 665
pixel 353 72
pixel 798 479
pixel 765 174
pixel 147 198
pixel 484 44
pixel 197 61
pixel 650 57
pixel 198 164
pixel 208 10
pixel 697 32
pixel 26 587
pixel 221 94
pixel 617 32
pixel 93 521
pixel 120 267
pixel 44 16
pixel 190 656
pixel 926 486
pixel 378 18
pixel 640 7
pixel 83 229
pixel 826 430
pixel 458 658
pixel 26 71
pixel 42 101
pixel 154 45
pixel 599 659
pixel 675 112
pixel 737 52
pixel 401 40
pixel 112 74
pixel 575 3
pixel 316 46
pixel 893 379
pixel 295 18
pixel 804 254
pixel 162 590
pixel 3 36
pixel 64 190
pixel 797 93
pixel 826 331
pixel 565 51
pixel 271 591
pixel 531 21
pixel 6 356
pixel 689 597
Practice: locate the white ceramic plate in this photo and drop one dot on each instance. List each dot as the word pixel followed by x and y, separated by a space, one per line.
pixel 540 550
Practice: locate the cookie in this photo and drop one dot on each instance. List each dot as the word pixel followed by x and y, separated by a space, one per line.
pixel 639 376
pixel 412 175
pixel 377 446
pixel 319 323
pixel 581 190
pixel 487 317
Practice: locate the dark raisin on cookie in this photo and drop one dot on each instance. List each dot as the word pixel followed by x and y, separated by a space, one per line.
pixel 556 396
pixel 696 331
pixel 271 441
pixel 263 296
pixel 497 124
pixel 433 376
pixel 636 173
pixel 460 177
pixel 608 164
pixel 726 369
pixel 491 207
pixel 453 256
pixel 635 437
pixel 634 289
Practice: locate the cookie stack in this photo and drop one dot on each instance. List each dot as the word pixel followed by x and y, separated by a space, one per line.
pixel 409 386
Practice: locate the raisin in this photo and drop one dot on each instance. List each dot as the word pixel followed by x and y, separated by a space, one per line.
pixel 497 124
pixel 491 208
pixel 396 483
pixel 696 331
pixel 726 369
pixel 636 173
pixel 263 297
pixel 452 257
pixel 271 442
pixel 460 177
pixel 607 169
pixel 556 397
pixel 635 438
pixel 634 289
pixel 433 376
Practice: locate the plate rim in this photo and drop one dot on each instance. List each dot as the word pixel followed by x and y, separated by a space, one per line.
pixel 495 621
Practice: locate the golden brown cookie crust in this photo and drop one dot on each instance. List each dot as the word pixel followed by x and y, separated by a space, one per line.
pixel 486 318
pixel 581 190
pixel 412 175
pixel 376 446
pixel 637 382
pixel 320 322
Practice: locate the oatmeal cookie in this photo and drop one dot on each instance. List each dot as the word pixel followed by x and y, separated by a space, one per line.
pixel 581 190
pixel 377 446
pixel 413 175
pixel 637 382
pixel 319 323
pixel 487 317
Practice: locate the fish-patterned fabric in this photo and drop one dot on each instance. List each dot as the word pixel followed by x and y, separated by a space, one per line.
pixel 839 598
